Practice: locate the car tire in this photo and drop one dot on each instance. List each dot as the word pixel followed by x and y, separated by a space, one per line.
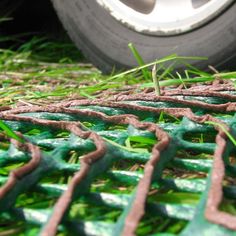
pixel 104 40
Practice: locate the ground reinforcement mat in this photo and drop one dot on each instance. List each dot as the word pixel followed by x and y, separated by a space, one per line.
pixel 123 164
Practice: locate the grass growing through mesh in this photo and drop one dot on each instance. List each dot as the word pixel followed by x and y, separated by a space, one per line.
pixel 42 72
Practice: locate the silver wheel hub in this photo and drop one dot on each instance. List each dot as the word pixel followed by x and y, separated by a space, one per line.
pixel 164 17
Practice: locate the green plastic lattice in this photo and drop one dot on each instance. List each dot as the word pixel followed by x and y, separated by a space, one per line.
pixel 126 165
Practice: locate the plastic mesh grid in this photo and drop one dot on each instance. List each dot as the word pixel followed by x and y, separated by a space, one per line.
pixel 80 171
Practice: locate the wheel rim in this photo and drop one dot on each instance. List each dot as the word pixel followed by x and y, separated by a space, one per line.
pixel 164 17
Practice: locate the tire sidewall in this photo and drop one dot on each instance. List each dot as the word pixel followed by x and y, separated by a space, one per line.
pixel 104 40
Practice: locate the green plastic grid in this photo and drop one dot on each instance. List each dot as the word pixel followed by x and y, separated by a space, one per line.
pixel 187 166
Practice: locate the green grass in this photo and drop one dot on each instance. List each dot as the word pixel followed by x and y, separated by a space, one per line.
pixel 9 132
pixel 44 71
pixel 223 128
pixel 140 61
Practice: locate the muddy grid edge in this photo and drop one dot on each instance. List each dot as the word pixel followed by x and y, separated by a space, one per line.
pixel 69 152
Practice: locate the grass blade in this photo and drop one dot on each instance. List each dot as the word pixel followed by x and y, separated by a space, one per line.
pixel 156 80
pixel 231 138
pixel 9 132
pixel 139 59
